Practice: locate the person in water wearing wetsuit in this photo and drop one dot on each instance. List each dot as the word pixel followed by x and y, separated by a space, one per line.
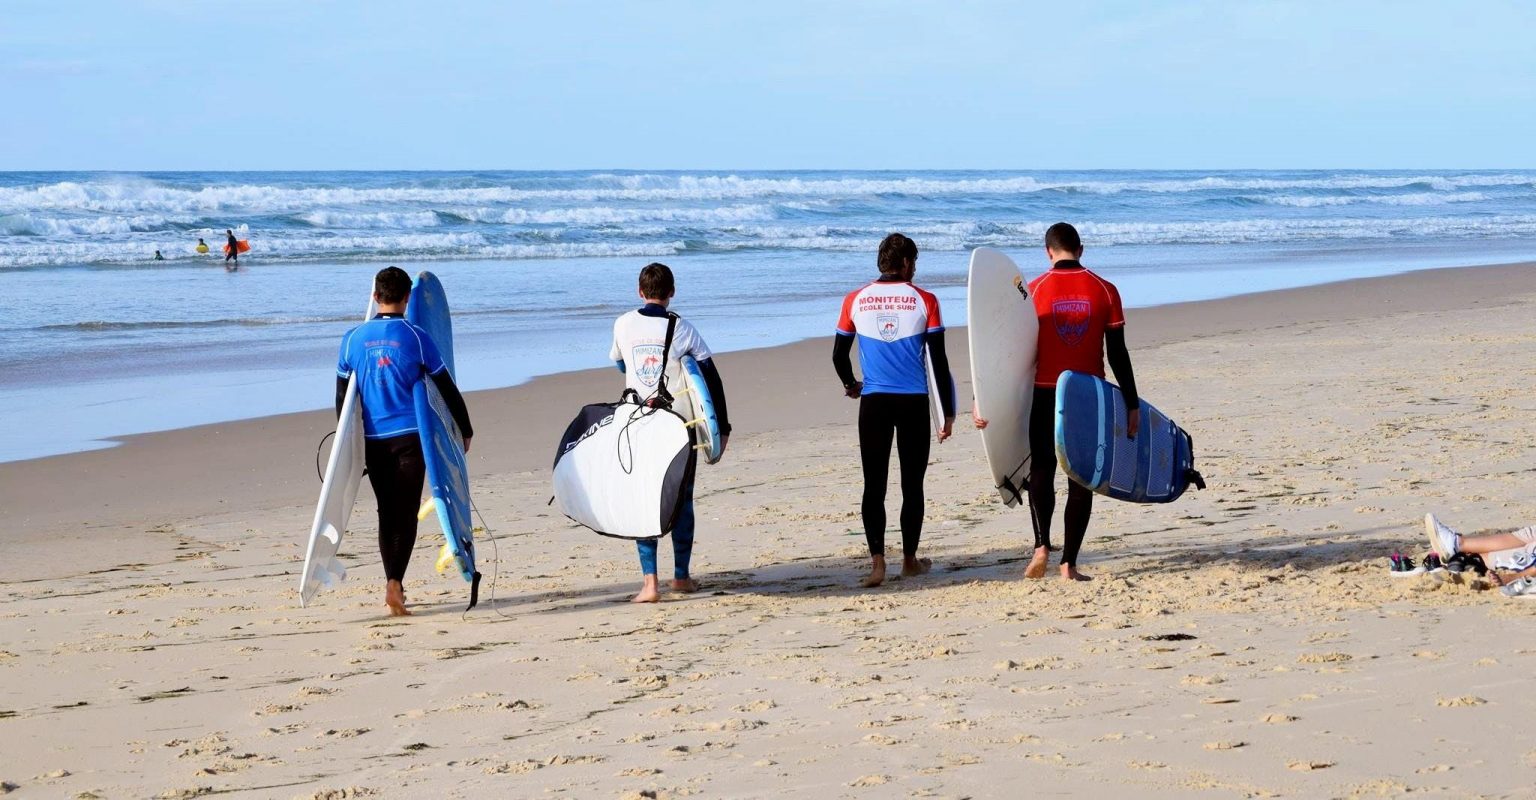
pixel 389 356
pixel 1081 319
pixel 638 339
pixel 895 324
pixel 232 249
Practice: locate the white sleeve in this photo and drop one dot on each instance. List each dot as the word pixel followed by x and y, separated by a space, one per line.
pixel 614 354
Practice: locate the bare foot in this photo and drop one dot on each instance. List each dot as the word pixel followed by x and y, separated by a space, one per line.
pixel 916 566
pixel 876 574
pixel 685 585
pixel 1036 569
pixel 1069 573
pixel 649 592
pixel 394 597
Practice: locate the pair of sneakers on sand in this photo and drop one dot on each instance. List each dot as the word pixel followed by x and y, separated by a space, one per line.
pixel 1511 556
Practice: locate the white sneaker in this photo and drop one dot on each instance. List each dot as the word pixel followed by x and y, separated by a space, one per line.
pixel 1522 588
pixel 1442 540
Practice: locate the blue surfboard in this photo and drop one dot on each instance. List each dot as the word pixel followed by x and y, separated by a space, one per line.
pixel 1091 445
pixel 700 411
pixel 442 444
pixel 428 310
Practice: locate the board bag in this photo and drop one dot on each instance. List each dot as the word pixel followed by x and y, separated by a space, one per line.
pixel 1155 467
pixel 623 469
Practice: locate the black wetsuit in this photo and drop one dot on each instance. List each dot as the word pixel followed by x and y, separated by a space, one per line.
pixel 233 249
pixel 904 413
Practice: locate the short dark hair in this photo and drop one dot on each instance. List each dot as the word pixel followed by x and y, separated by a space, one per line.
pixel 656 281
pixel 1063 238
pixel 391 285
pixel 895 251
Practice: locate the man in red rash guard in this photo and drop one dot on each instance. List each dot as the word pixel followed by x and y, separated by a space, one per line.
pixel 1081 321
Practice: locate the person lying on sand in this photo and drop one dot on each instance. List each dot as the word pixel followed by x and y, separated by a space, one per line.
pixel 895 323
pixel 1511 556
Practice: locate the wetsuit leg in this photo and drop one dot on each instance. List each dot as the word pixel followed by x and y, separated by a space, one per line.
pixel 682 538
pixel 397 472
pixel 876 424
pixel 913 440
pixel 647 550
pixel 1042 463
pixel 1075 518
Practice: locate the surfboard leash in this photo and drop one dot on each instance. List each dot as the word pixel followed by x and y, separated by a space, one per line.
pixel 495 575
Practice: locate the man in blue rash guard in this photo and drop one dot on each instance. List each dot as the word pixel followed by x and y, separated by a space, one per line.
pixel 389 356
pixel 639 336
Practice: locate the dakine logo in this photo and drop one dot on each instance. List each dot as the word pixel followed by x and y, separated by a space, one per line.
pixel 886 325
pixel 648 362
pixel 1071 318
pixel 589 431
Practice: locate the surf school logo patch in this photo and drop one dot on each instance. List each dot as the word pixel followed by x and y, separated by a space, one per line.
pixel 647 363
pixel 886 325
pixel 1071 318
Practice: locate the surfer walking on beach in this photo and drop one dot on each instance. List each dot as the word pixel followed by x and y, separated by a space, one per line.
pixel 389 356
pixel 896 325
pixel 1081 321
pixel 640 352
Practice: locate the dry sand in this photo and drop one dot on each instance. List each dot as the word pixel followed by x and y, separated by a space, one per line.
pixel 1246 641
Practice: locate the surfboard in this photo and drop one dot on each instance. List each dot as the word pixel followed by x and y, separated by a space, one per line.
pixel 1004 333
pixel 241 245
pixel 338 493
pixel 1093 449
pixel 428 310
pixel 935 402
pixel 203 248
pixel 698 409
pixel 442 444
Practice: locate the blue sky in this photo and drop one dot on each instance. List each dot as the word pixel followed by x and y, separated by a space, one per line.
pixel 306 84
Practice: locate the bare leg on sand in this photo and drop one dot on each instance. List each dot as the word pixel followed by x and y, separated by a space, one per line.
pixel 1037 564
pixel 876 573
pixel 650 592
pixel 685 585
pixel 1069 573
pixel 912 566
pixel 394 597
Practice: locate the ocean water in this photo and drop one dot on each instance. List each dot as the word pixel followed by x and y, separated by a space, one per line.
pixel 104 341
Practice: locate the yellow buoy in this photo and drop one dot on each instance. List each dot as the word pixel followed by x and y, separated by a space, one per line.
pixel 202 248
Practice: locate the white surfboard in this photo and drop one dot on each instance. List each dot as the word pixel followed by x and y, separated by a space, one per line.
pixel 343 478
pixel 1004 333
pixel 935 403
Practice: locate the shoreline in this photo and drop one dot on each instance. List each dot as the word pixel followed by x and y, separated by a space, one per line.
pixel 268 462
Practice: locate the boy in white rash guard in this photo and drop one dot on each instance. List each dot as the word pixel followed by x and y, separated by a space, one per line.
pixel 638 339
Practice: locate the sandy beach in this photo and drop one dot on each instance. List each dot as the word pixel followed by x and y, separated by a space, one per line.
pixel 1247 641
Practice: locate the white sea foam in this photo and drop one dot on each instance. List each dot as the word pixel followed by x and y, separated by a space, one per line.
pixel 142 197
pixel 1414 199
pixel 404 220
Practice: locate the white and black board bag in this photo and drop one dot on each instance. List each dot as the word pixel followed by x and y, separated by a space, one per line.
pixel 622 469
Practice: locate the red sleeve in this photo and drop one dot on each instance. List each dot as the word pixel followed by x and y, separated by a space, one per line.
pixel 845 318
pixel 935 318
pixel 1116 312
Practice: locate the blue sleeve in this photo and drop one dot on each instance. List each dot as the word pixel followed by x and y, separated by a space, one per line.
pixel 344 369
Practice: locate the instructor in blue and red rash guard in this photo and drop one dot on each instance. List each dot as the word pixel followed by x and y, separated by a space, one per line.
pixel 895 323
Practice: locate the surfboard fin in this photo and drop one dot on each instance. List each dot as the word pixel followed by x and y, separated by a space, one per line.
pixel 426 508
pixel 445 559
